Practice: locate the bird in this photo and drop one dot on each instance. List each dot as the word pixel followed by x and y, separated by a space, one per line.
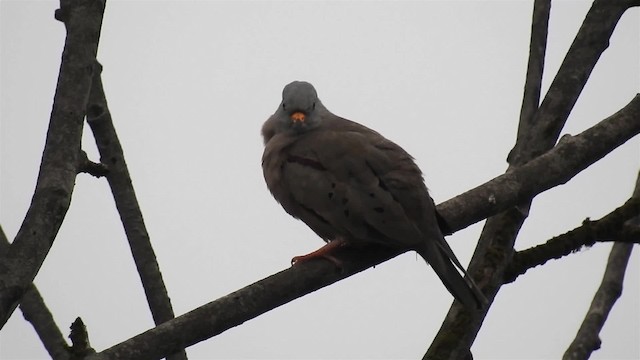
pixel 353 187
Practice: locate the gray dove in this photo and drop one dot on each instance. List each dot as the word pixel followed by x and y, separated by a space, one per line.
pixel 352 186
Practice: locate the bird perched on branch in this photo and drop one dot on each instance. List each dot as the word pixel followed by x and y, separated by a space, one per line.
pixel 352 186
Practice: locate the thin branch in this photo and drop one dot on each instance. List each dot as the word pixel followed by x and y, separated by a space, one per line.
pixel 587 339
pixel 101 124
pixel 535 66
pixel 498 237
pixel 36 312
pixel 52 196
pixel 503 192
pixel 609 228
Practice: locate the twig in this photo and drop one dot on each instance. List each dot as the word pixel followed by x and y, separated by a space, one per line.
pixel 101 124
pixel 52 196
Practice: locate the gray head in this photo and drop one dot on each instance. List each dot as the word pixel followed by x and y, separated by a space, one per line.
pixel 300 108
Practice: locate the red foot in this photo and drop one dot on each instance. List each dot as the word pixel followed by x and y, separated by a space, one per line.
pixel 323 252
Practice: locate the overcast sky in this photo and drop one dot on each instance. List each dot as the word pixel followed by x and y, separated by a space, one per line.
pixel 189 85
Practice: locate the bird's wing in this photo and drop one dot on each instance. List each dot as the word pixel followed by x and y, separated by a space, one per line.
pixel 360 187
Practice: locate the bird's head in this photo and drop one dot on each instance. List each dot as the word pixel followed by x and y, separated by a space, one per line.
pixel 300 108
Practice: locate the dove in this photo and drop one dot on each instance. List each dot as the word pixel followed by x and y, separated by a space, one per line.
pixel 352 186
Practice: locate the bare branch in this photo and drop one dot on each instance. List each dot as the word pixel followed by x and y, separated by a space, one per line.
pixel 50 202
pixel 587 47
pixel 36 312
pixel 535 67
pixel 609 228
pixel 505 191
pixel 495 246
pixel 572 155
pixel 99 119
pixel 587 339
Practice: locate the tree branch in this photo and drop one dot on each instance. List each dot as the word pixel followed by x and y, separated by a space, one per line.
pixel 609 228
pixel 572 155
pixel 498 237
pixel 535 66
pixel 550 169
pixel 36 312
pixel 50 202
pixel 587 340
pixel 587 47
pixel 100 122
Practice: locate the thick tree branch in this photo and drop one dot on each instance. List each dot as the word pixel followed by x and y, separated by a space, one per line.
pixel 100 122
pixel 609 228
pixel 36 312
pixel 50 202
pixel 495 246
pixel 551 169
pixel 572 155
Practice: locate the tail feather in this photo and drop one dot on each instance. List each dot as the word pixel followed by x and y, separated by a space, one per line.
pixel 444 262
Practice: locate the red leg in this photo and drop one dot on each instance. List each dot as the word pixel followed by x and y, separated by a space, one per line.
pixel 323 252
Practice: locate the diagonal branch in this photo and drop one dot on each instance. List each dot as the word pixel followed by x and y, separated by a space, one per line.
pixel 111 154
pixel 550 169
pixel 535 66
pixel 52 196
pixel 572 155
pixel 36 312
pixel 587 340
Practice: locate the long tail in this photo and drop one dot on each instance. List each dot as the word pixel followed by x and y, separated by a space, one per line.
pixel 439 255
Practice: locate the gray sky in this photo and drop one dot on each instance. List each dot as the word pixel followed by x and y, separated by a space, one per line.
pixel 189 85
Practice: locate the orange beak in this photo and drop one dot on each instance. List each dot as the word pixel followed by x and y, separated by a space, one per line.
pixel 297 117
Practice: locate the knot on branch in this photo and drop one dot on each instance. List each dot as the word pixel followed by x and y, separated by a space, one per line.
pixel 79 336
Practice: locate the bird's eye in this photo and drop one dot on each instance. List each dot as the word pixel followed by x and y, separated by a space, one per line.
pixel 313 107
pixel 284 107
